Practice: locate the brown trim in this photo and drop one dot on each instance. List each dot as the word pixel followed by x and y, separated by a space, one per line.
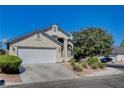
pixel 47 29
pixel 31 34
pixel 61 30
pixel 22 37
pixel 30 47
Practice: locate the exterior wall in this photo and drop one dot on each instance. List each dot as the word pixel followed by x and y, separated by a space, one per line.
pixel 65 46
pixel 32 42
pixel 113 59
pixel 62 54
pixel 69 57
pixel 120 57
pixel 70 43
pixel 50 32
pixel 65 50
pixel 58 33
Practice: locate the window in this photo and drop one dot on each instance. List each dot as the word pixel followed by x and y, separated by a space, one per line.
pixel 61 40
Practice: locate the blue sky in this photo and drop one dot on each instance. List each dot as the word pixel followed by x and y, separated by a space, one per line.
pixel 17 20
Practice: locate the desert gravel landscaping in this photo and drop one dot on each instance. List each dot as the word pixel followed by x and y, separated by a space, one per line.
pixel 88 72
pixel 84 72
pixel 10 79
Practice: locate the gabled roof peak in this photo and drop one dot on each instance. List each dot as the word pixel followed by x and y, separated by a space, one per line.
pixel 54 25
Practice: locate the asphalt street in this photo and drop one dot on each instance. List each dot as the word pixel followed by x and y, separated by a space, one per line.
pixel 113 81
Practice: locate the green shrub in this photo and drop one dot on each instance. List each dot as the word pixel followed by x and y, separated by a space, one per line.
pixel 72 61
pixel 102 65
pixel 77 67
pixel 2 51
pixel 84 64
pixel 94 66
pixel 10 64
pixel 93 60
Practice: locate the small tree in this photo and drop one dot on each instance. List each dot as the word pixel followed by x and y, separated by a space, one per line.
pixel 122 43
pixel 0 45
pixel 92 42
pixel 2 50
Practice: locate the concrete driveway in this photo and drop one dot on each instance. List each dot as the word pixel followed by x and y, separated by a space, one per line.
pixel 45 72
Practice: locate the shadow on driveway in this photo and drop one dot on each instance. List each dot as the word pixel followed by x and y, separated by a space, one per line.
pixel 21 69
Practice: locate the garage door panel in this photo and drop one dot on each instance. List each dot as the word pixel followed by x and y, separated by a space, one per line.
pixel 37 55
pixel 120 57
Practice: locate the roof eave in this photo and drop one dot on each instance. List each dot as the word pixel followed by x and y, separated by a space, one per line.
pixel 14 40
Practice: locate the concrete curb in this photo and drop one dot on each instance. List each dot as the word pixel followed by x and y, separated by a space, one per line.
pixel 18 84
pixel 115 65
pixel 107 71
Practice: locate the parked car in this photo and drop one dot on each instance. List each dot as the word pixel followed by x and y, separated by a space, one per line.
pixel 106 59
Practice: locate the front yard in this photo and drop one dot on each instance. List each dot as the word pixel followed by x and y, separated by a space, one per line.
pixel 85 71
pixel 91 65
pixel 9 69
pixel 71 69
pixel 10 78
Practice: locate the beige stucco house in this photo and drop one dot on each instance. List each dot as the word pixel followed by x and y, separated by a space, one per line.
pixel 49 45
pixel 117 54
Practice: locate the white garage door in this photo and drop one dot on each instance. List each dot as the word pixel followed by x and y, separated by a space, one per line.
pixel 120 57
pixel 33 56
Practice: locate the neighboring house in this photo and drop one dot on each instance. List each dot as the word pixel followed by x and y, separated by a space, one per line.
pixel 118 53
pixel 49 45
